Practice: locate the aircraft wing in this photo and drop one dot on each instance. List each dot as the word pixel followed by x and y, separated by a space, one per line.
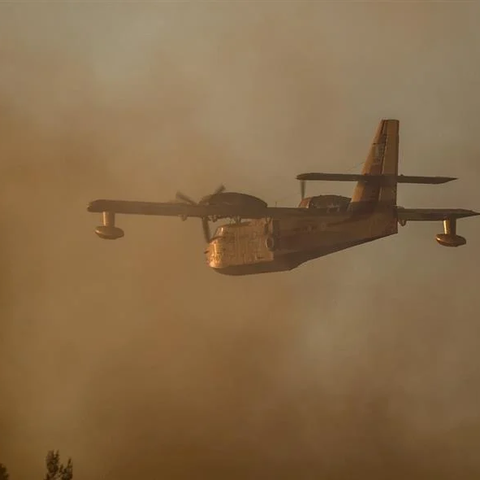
pixel 173 209
pixel 433 214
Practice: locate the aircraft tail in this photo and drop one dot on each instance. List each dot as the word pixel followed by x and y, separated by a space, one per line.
pixel 382 160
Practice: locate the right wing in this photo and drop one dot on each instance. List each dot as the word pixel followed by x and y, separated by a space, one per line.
pixel 174 209
pixel 432 214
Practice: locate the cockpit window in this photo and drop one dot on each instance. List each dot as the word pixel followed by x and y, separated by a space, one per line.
pixel 222 232
pixel 219 232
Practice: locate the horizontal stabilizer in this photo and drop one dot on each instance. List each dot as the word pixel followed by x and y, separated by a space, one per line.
pixel 432 214
pixel 354 177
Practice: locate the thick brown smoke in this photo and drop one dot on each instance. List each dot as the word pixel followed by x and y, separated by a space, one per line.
pixel 137 360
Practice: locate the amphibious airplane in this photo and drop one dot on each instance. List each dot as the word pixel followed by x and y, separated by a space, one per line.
pixel 261 239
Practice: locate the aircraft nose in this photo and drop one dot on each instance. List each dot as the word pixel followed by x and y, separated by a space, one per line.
pixel 210 255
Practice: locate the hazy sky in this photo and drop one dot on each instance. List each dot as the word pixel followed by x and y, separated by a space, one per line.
pixel 133 357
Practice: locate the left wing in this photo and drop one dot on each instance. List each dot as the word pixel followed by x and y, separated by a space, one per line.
pixel 203 211
pixel 432 214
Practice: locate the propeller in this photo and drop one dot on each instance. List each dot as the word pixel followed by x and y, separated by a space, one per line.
pixel 220 189
pixel 182 198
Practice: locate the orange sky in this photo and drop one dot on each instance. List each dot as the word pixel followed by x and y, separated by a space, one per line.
pixel 133 357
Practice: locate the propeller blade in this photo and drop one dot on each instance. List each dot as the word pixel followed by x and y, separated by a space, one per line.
pixel 205 221
pixel 205 200
pixel 206 229
pixel 180 196
pixel 220 189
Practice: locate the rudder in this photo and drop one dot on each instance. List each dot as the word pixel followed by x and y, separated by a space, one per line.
pixel 382 160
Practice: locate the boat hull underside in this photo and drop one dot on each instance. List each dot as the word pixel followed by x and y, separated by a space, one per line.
pixel 288 261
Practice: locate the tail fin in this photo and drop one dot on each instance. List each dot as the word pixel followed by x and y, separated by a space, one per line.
pixel 382 160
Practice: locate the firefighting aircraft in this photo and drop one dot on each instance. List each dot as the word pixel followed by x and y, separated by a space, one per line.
pixel 261 239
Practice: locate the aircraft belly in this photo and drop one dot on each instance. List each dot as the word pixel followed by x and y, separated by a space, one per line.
pixel 307 240
pixel 277 265
pixel 304 243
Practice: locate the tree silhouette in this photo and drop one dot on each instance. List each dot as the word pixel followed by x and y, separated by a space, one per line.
pixel 3 472
pixel 55 469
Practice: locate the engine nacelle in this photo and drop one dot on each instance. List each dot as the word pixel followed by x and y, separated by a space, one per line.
pixel 233 198
pixel 450 238
pixel 108 231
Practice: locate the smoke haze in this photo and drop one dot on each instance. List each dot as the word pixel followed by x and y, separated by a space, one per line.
pixel 135 359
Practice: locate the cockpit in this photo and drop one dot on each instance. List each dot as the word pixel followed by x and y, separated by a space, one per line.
pixel 229 230
pixel 329 203
pixel 222 232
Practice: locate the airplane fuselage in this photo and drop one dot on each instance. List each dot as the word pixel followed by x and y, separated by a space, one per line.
pixel 261 246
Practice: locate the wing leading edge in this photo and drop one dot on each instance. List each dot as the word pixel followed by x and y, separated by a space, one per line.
pixel 232 211
pixel 433 214
pixel 202 211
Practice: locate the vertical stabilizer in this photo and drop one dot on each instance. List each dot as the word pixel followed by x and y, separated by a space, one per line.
pixel 382 160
